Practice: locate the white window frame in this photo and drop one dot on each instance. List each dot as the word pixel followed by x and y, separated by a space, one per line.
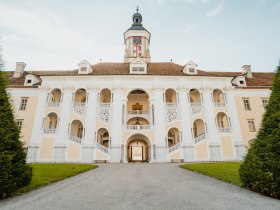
pixel 251 124
pixel 246 102
pixel 23 103
pixel 19 123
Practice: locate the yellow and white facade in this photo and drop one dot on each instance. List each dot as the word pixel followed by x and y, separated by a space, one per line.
pixel 138 110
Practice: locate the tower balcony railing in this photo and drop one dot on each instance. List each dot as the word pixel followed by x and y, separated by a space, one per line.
pixel 138 127
pixel 53 104
pixel 75 139
pixel 224 130
pixel 79 108
pixel 199 138
pixel 196 107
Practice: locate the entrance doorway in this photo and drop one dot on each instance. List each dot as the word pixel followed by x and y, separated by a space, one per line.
pixel 138 149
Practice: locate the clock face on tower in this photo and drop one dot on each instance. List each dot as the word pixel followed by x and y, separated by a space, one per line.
pixel 137 40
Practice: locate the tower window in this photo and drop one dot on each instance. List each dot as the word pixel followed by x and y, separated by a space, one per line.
pixel 136 20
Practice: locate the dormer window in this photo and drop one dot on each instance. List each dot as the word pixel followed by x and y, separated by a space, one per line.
pixel 31 79
pixel 190 68
pixel 241 82
pixel 85 67
pixel 138 66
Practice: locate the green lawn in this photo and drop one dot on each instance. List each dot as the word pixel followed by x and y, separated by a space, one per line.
pixel 44 174
pixel 225 171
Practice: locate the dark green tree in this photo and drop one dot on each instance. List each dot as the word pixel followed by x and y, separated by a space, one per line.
pixel 14 172
pixel 260 170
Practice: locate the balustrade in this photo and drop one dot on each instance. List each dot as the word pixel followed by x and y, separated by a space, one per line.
pixel 102 148
pixel 49 130
pixel 75 138
pixel 53 104
pixel 224 130
pixel 174 147
pixel 200 137
pixel 79 108
pixel 138 127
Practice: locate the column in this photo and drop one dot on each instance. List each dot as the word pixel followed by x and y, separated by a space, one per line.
pixel 116 125
pixel 239 147
pixel 90 124
pixel 186 124
pixel 36 137
pixel 160 128
pixel 62 132
pixel 212 134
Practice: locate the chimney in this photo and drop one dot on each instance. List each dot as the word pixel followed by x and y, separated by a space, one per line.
pixel 20 66
pixel 247 71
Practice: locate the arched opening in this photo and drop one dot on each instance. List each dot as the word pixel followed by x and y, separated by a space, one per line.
pixel 137 108
pixel 170 97
pixel 173 137
pixel 50 123
pixel 77 129
pixel 138 148
pixel 195 97
pixel 198 130
pixel 103 137
pixel 105 96
pixel 223 122
pixel 218 97
pixel 80 96
pixel 54 97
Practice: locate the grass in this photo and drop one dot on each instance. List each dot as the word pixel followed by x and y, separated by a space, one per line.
pixel 44 174
pixel 225 171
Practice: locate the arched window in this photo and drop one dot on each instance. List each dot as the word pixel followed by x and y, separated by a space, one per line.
pixel 173 137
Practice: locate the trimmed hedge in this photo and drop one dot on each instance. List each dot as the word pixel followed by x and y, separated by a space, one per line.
pixel 14 172
pixel 260 170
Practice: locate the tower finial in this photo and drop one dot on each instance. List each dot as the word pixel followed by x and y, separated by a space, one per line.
pixel 137 8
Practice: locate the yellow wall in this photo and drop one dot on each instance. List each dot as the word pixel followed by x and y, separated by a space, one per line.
pixel 176 155
pixel 46 149
pixel 27 115
pixel 202 150
pixel 73 152
pixel 255 113
pixel 226 144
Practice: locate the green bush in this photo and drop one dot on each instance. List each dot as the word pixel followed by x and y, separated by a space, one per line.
pixel 14 172
pixel 260 170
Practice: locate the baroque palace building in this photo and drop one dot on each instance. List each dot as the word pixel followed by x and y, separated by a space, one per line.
pixel 137 110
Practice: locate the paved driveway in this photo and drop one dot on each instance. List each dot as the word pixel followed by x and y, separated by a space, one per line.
pixel 140 186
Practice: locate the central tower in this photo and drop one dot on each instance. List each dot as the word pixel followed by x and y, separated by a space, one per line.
pixel 137 41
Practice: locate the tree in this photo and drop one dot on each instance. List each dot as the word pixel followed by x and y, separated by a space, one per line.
pixel 260 170
pixel 14 172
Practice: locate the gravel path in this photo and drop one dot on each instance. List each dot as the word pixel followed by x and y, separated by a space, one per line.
pixel 140 186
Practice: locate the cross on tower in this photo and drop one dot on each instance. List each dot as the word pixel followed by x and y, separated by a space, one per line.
pixel 137 8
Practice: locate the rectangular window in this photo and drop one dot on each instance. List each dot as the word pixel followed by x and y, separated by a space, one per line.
pixel 29 81
pixel 252 126
pixel 19 123
pixel 264 102
pixel 83 68
pixel 191 70
pixel 23 103
pixel 246 104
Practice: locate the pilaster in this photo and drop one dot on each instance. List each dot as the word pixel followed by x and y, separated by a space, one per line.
pixel 212 134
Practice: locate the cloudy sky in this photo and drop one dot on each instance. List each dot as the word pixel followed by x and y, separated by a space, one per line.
pixel 219 35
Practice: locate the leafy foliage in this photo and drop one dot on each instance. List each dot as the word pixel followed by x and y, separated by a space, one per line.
pixel 260 170
pixel 14 172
